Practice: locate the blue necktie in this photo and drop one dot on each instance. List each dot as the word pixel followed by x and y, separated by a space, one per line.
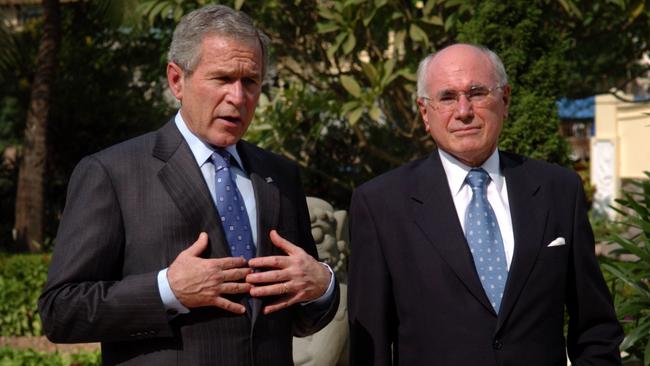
pixel 231 209
pixel 484 238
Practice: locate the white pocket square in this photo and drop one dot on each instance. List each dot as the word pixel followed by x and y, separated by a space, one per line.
pixel 557 242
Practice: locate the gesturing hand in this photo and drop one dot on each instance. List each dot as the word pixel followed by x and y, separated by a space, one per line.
pixel 298 277
pixel 199 282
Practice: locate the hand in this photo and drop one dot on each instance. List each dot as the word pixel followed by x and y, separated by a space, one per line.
pixel 199 282
pixel 297 277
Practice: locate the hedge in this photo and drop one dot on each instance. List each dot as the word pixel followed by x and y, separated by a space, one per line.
pixel 22 277
pixel 15 357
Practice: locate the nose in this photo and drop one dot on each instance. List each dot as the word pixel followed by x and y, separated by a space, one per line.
pixel 464 110
pixel 236 92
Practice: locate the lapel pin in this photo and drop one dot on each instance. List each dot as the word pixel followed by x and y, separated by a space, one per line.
pixel 268 180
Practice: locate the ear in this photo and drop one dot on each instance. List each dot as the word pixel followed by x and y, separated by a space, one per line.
pixel 175 79
pixel 422 108
pixel 507 90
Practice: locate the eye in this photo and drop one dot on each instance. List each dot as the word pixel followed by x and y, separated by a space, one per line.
pixel 448 97
pixel 250 81
pixel 222 79
pixel 478 92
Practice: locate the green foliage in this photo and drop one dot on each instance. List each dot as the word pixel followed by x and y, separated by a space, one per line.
pixel 22 277
pixel 533 56
pixel 619 27
pixel 632 284
pixel 341 94
pixel 297 124
pixel 108 87
pixel 16 68
pixel 15 357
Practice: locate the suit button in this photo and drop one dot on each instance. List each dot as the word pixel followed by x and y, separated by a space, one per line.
pixel 497 344
pixel 172 312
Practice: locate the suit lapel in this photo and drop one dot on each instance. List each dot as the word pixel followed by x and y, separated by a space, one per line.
pixel 267 199
pixel 435 214
pixel 524 193
pixel 182 178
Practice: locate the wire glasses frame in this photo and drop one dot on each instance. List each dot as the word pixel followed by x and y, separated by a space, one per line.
pixel 478 96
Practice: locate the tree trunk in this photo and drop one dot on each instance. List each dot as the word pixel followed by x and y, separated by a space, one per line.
pixel 29 196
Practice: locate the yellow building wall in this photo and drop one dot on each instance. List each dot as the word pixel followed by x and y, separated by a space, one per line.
pixel 620 147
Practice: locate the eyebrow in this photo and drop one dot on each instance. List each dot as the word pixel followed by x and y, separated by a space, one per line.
pixel 450 90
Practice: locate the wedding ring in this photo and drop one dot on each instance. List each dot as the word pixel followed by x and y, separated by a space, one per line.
pixel 285 288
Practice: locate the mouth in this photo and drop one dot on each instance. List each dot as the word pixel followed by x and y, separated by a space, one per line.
pixel 230 119
pixel 466 131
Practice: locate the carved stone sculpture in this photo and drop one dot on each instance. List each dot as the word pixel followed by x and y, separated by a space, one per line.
pixel 329 347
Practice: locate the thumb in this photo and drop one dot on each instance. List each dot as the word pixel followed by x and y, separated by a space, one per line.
pixel 282 243
pixel 198 246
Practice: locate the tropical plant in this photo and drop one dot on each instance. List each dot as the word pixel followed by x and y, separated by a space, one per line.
pixel 29 357
pixel 358 59
pixel 108 88
pixel 631 285
pixel 22 277
pixel 32 161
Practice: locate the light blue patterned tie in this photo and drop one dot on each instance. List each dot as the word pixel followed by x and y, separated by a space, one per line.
pixel 231 209
pixel 484 238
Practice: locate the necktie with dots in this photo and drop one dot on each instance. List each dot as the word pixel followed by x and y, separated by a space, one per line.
pixel 484 238
pixel 231 209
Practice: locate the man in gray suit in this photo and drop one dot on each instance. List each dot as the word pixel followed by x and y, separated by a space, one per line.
pixel 188 245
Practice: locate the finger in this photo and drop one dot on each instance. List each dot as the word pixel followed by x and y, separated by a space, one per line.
pixel 282 303
pixel 284 244
pixel 234 288
pixel 271 290
pixel 228 262
pixel 228 305
pixel 198 246
pixel 268 277
pixel 275 261
pixel 236 274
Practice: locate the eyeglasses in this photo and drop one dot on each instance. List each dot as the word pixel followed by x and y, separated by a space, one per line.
pixel 447 100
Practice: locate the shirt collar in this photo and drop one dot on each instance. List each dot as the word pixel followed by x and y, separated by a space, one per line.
pixel 201 150
pixel 457 171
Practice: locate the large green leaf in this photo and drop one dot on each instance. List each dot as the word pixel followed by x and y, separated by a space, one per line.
pixel 349 44
pixel 355 115
pixel 416 33
pixel 326 27
pixel 351 85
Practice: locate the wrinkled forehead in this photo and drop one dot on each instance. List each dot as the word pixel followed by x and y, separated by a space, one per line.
pixel 460 68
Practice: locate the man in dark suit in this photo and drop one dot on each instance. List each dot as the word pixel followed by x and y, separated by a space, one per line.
pixel 187 245
pixel 471 256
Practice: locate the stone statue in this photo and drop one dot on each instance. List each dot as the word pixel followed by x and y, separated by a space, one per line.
pixel 329 347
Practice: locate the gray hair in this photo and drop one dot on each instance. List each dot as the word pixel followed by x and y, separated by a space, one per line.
pixel 212 20
pixel 497 64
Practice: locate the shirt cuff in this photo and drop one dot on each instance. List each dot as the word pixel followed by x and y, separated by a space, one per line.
pixel 327 296
pixel 173 307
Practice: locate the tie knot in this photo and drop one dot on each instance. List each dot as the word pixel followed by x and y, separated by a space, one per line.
pixel 477 178
pixel 220 159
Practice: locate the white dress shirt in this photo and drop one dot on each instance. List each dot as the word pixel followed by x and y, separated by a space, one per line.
pixel 202 153
pixel 497 194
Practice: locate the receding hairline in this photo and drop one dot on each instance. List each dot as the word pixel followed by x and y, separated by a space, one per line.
pixel 494 59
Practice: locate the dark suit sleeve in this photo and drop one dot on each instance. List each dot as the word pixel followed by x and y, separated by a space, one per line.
pixel 312 317
pixel 594 332
pixel 86 298
pixel 370 305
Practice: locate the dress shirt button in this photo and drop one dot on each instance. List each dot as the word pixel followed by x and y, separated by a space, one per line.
pixel 497 344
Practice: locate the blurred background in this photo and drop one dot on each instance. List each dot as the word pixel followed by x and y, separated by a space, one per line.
pixel 78 76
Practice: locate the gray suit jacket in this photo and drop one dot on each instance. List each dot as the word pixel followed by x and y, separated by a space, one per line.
pixel 415 297
pixel 131 209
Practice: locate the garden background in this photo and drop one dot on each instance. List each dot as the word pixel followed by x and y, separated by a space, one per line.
pixel 78 76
